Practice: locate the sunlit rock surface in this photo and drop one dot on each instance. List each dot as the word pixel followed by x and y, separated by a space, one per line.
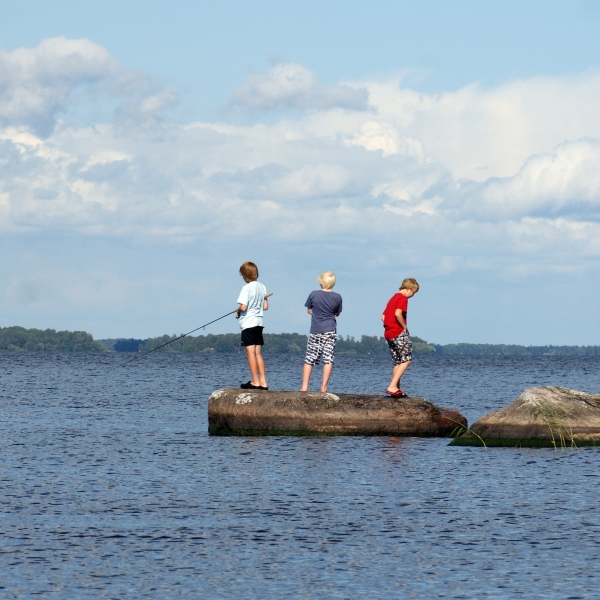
pixel 542 416
pixel 248 412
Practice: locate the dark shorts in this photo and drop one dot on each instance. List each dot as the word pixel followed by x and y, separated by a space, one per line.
pixel 253 336
pixel 401 348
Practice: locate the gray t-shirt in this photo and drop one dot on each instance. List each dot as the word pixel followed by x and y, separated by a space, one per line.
pixel 324 306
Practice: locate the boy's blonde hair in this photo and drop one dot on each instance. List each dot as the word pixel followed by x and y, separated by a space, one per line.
pixel 410 283
pixel 249 271
pixel 326 280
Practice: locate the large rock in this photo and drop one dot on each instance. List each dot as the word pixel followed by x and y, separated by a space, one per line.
pixel 540 417
pixel 243 412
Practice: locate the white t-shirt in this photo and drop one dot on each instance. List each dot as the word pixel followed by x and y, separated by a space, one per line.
pixel 253 296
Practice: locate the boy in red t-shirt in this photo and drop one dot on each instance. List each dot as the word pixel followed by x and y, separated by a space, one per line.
pixel 396 333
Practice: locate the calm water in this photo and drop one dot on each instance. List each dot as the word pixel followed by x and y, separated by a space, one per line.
pixel 110 487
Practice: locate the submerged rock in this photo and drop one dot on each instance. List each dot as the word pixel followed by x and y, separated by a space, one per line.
pixel 254 412
pixel 540 417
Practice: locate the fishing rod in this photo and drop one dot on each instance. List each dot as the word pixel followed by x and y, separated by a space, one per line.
pixel 185 334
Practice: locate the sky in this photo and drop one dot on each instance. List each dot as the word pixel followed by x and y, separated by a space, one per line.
pixel 147 149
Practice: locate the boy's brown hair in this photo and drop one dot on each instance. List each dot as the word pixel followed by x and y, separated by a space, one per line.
pixel 410 283
pixel 249 271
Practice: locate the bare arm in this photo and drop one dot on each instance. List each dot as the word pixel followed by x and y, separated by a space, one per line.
pixel 309 311
pixel 383 317
pixel 266 302
pixel 400 318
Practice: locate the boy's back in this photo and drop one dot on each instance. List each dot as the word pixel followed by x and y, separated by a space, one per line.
pixel 325 306
pixel 252 295
pixel 391 326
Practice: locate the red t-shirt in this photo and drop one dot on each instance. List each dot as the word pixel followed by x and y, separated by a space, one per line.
pixel 392 328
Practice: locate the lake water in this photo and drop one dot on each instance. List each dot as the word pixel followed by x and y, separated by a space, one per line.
pixel 110 487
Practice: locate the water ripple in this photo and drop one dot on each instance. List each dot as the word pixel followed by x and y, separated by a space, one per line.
pixel 111 488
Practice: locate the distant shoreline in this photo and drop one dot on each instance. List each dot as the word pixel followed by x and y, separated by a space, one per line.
pixel 19 339
pixel 294 343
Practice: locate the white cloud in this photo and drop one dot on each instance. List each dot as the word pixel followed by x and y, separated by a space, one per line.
pixel 481 133
pixel 36 84
pixel 505 173
pixel 290 85
pixel 563 183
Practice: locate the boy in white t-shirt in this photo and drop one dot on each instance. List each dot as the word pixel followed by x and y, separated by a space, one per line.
pixel 252 303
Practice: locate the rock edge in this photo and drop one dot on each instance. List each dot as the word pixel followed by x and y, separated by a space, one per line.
pixel 234 411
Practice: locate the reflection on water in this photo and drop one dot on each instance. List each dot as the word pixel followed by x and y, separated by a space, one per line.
pixel 110 487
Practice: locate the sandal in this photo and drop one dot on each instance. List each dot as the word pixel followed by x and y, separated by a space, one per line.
pixel 250 386
pixel 397 394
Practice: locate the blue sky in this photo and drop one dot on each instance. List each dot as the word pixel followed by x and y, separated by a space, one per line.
pixel 148 148
pixel 205 49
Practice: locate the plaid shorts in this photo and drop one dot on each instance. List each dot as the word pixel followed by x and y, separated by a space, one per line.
pixel 401 348
pixel 320 345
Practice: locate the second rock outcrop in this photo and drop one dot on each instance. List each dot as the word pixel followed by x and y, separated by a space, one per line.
pixel 540 417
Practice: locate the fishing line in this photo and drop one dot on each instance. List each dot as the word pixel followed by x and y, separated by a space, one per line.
pixel 182 336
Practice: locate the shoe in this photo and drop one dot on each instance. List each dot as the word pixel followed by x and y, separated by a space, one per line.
pixel 250 386
pixel 398 394
pixel 263 387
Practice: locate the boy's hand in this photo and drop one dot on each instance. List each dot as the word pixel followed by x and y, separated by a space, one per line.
pixel 400 318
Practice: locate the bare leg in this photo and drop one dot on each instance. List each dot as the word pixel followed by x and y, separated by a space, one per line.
pixel 327 368
pixel 260 367
pixel 397 375
pixel 252 363
pixel 306 377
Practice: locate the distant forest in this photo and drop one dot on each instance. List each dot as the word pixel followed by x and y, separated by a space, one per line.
pixel 294 343
pixel 514 350
pixel 19 339
pixel 275 343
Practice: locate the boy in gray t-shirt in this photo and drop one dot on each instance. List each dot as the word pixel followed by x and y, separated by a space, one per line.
pixel 324 305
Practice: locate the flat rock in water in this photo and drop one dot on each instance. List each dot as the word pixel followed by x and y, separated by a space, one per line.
pixel 259 412
pixel 540 417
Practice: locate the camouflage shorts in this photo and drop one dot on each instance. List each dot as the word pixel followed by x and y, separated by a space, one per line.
pixel 320 345
pixel 401 348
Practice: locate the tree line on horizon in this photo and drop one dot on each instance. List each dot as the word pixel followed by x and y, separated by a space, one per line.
pixel 20 339
pixel 294 343
pixel 275 343
pixel 514 350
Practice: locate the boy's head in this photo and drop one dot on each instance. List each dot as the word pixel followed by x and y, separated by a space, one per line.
pixel 326 280
pixel 249 271
pixel 410 284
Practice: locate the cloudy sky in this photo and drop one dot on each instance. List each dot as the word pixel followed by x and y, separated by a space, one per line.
pixel 148 148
